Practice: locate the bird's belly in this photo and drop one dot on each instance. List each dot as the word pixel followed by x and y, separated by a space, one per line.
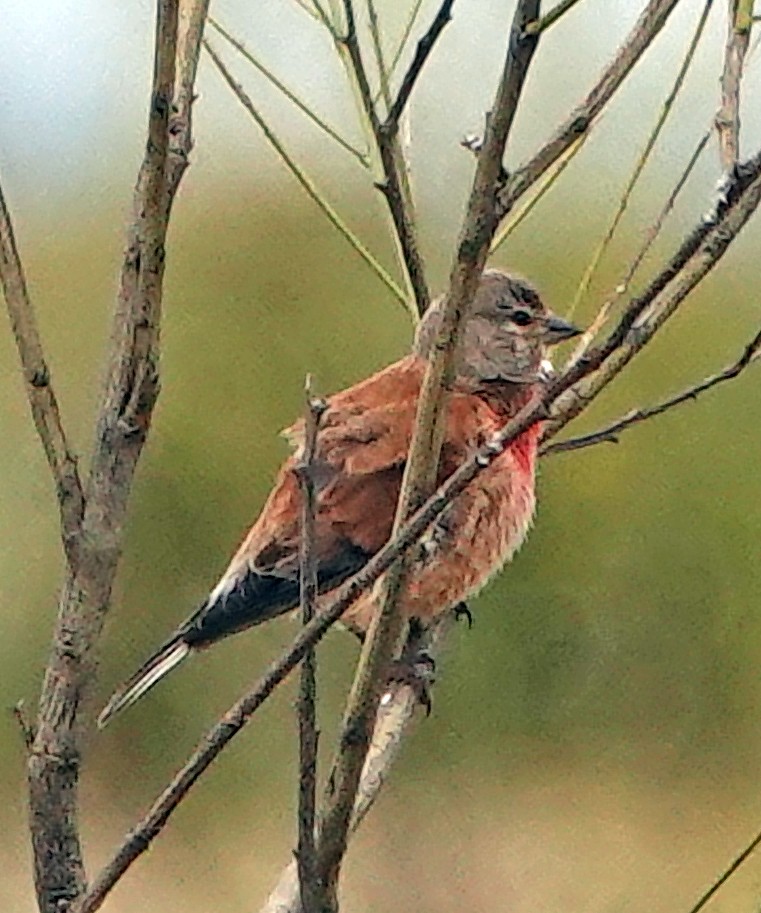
pixel 469 543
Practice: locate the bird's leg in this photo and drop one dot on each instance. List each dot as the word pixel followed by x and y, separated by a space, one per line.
pixel 461 610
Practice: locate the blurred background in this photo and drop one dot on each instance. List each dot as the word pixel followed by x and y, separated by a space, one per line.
pixel 595 738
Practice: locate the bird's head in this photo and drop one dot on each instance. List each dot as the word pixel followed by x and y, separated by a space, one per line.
pixel 505 335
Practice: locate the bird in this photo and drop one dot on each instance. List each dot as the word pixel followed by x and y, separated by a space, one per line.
pixel 361 450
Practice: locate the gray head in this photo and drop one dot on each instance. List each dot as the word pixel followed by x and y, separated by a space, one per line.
pixel 505 334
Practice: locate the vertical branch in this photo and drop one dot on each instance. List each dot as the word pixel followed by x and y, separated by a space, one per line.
pixel 122 426
pixel 739 20
pixel 420 474
pixel 309 888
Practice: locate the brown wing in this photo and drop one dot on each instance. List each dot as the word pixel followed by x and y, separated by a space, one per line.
pixel 359 462
pixel 361 449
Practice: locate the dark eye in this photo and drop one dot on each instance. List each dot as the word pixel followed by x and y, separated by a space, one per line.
pixel 521 318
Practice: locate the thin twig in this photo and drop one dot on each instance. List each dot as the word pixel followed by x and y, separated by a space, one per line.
pixel 548 19
pixel 407 31
pixel 39 388
pixel 651 235
pixel 610 433
pixel 739 19
pixel 649 24
pixel 548 180
pixel 380 57
pixel 395 182
pixel 694 259
pixel 643 158
pixel 424 47
pixel 727 873
pixel 361 157
pixel 124 416
pixel 741 201
pixel 309 887
pixel 385 632
pixel 312 191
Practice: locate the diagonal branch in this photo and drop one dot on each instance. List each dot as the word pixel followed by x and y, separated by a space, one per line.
pixel 579 122
pixel 610 433
pixel 742 200
pixel 39 387
pixel 640 164
pixel 394 718
pixel 696 257
pixel 550 18
pixel 308 185
pixel 292 97
pixel 424 47
pixel 739 21
pixel 122 425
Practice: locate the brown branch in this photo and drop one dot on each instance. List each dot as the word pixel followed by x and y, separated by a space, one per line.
pixel 122 426
pixel 39 387
pixel 309 888
pixel 395 186
pixel 742 199
pixel 695 258
pixel 395 715
pixel 610 433
pixel 420 472
pixel 580 121
pixel 550 18
pixel 424 47
pixel 739 19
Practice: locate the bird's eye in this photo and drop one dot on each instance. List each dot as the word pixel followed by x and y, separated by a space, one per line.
pixel 521 318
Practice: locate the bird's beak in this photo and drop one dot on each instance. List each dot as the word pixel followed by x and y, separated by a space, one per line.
pixel 558 330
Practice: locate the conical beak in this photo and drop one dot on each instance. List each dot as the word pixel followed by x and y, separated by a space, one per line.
pixel 558 330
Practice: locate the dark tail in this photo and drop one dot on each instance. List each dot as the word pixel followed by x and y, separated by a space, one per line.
pixel 149 674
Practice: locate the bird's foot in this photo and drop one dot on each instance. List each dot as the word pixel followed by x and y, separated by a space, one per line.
pixel 416 669
pixel 461 610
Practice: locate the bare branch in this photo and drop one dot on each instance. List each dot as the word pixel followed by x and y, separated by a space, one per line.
pixel 739 19
pixel 741 201
pixel 610 433
pixel 643 158
pixel 39 387
pixel 395 184
pixel 420 472
pixel 301 176
pixel 395 715
pixel 649 24
pixel 646 314
pixel 422 52
pixel 122 427
pixel 549 19
pixel 727 873
pixel 407 31
pixel 309 887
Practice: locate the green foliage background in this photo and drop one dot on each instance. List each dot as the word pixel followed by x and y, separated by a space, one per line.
pixel 595 737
